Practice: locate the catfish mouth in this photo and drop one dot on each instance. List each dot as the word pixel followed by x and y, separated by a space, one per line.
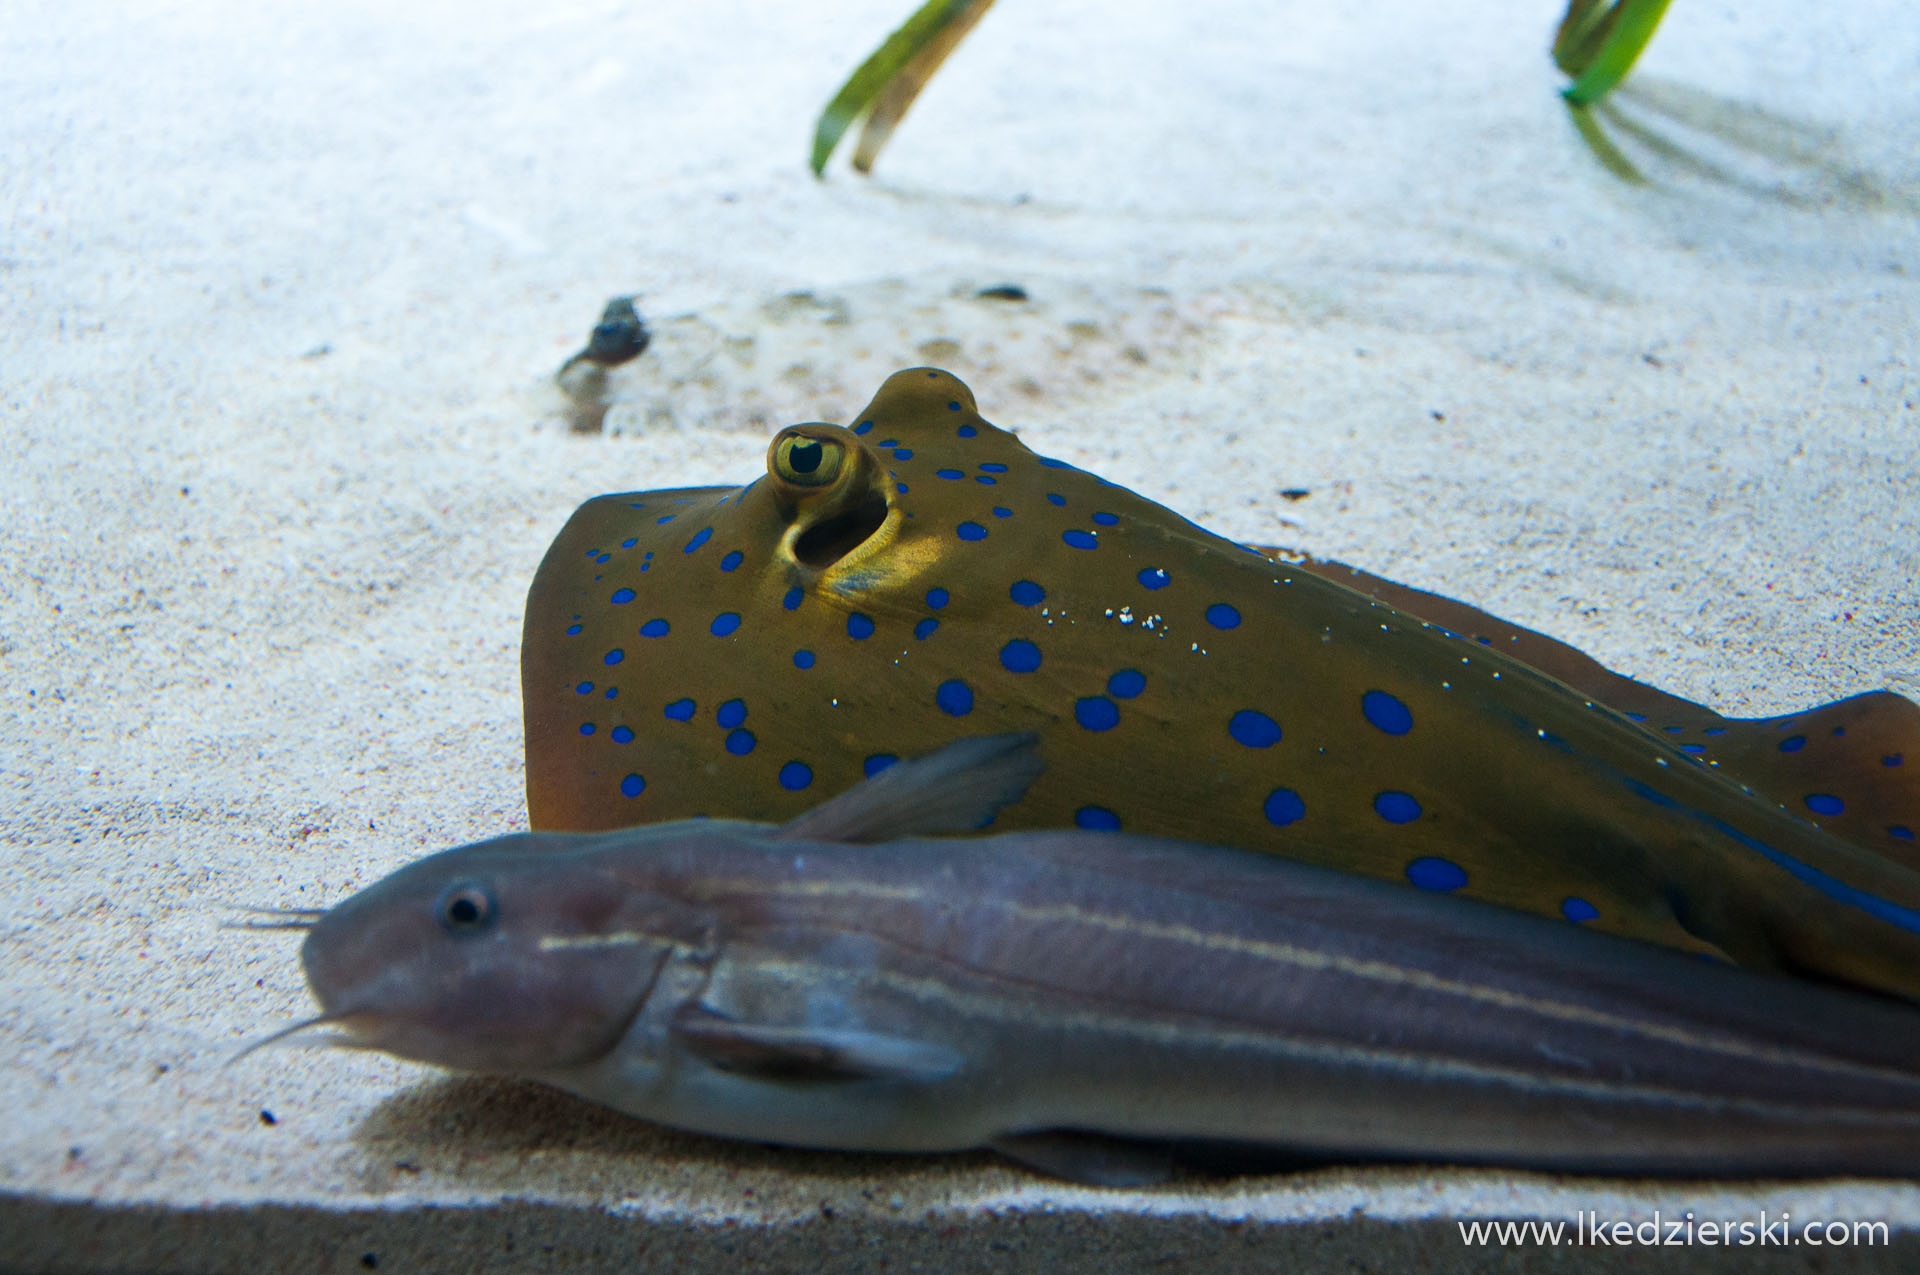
pixel 840 533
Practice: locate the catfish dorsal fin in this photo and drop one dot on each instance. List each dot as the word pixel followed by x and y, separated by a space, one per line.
pixel 957 789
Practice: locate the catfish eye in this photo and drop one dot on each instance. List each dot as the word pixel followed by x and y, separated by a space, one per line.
pixel 805 461
pixel 466 908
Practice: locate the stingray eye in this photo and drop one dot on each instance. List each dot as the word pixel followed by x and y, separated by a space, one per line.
pixel 806 461
pixel 466 908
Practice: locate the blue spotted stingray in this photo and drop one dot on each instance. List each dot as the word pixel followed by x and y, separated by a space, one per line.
pixel 922 576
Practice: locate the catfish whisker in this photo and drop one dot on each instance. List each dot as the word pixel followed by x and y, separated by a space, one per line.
pixel 274 1038
pixel 275 918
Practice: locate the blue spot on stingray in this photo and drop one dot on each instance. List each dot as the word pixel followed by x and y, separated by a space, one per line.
pixel 741 742
pixel 573 630
pixel 1283 807
pixel 1254 730
pixel 925 629
pixel 1127 683
pixel 630 543
pixel 668 518
pixel 937 599
pixel 612 691
pixel 1714 730
pixel 614 656
pixel 992 467
pixel 1096 819
pixel 859 626
pixel 655 628
pixel 1026 593
pixel 903 453
pixel 1154 578
pixel 1001 511
pixel 863 427
pixel 731 561
pixel 953 407
pixel 1051 463
pixel 1793 743
pixel 1386 713
pixel 1659 798
pixel 1056 499
pixel 803 659
pixel 949 474
pixel 586 728
pixel 890 442
pixel 1081 539
pixel 986 480
pixel 730 714
pixel 700 537
pixel 1673 730
pixel 792 601
pixel 1893 760
pixel 1396 807
pixel 622 735
pixel 954 697
pixel 966 431
pixel 971 530
pixel 1435 873
pixel 681 710
pixel 1223 616
pixel 725 623
pixel 1695 749
pixel 877 763
pixel 632 786
pixel 1096 712
pixel 603 560
pixel 621 597
pixel 585 688
pixel 1105 519
pixel 795 775
pixel 1020 656
pixel 1632 717
pixel 902 489
pixel 1900 830
pixel 1822 803
pixel 1577 909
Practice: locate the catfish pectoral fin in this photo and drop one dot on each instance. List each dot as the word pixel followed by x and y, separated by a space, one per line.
pixel 808 1053
pixel 1096 1159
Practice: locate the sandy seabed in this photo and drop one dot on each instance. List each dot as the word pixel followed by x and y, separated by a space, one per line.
pixel 284 290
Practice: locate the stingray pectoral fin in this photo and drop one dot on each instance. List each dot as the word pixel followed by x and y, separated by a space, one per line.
pixel 809 1053
pixel 959 788
pixel 1852 766
pixel 1097 1159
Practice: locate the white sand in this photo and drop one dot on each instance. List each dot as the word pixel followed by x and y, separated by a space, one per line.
pixel 283 289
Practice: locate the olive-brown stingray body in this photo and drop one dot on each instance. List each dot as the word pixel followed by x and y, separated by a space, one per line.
pixel 922 576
